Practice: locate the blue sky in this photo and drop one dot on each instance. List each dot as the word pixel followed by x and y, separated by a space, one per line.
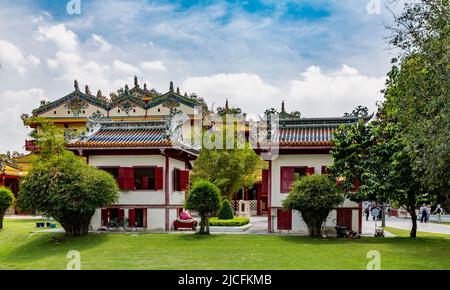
pixel 322 57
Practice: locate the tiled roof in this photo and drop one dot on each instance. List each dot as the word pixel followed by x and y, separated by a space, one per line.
pixel 310 131
pixel 126 134
pixel 306 135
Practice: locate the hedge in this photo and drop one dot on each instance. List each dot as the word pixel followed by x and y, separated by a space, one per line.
pixel 235 222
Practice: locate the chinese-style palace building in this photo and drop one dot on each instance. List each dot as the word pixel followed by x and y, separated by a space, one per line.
pixel 10 174
pixel 301 146
pixel 135 136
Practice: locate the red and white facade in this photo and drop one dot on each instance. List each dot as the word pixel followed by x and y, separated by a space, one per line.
pixel 152 172
pixel 302 147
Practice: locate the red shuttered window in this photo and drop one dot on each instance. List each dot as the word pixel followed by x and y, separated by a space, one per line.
pixel 286 179
pixel 284 219
pixel 310 171
pixel 126 178
pixel 131 217
pixel 180 179
pixel 184 180
pixel 158 178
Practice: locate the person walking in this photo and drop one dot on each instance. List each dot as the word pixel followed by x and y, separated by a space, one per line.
pixel 367 211
pixel 439 211
pixel 423 213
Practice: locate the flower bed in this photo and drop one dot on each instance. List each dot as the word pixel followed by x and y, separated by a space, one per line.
pixel 235 222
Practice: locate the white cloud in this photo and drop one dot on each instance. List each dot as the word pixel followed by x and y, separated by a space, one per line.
pixel 153 65
pixel 10 54
pixel 332 94
pixel 14 103
pixel 126 68
pixel 71 66
pixel 247 91
pixel 63 38
pixel 101 43
pixel 33 59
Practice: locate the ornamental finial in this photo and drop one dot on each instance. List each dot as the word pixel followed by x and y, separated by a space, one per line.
pixel 178 90
pixel 99 94
pixel 126 89
pixel 145 87
pixel 136 85
pixel 171 86
pixel 87 91
pixel 75 85
pixel 282 107
pixel 226 104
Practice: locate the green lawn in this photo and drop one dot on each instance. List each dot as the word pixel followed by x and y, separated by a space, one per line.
pixel 405 233
pixel 21 250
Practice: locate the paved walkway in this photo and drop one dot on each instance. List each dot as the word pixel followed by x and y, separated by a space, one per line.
pixel 405 224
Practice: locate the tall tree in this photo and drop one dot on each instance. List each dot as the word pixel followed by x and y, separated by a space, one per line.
pixel 230 169
pixel 6 200
pixel 418 90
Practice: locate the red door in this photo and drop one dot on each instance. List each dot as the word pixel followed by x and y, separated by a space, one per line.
pixel 344 217
pixel 284 219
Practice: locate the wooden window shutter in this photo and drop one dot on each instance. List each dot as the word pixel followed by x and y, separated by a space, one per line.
pixel 158 178
pixel 126 178
pixel 104 216
pixel 310 171
pixel 176 179
pixel 184 180
pixel 265 181
pixel 287 177
pixel 131 217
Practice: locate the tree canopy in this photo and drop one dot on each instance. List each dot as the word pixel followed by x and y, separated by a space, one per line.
pixel 230 169
pixel 314 196
pixel 204 197
pixel 6 200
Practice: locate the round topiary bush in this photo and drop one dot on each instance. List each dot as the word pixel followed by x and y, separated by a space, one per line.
pixel 6 200
pixel 225 212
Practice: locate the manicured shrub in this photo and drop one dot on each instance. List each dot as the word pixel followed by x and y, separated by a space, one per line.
pixel 314 196
pixel 67 189
pixel 225 212
pixel 6 200
pixel 204 197
pixel 235 222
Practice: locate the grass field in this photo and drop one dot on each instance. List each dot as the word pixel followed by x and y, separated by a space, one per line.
pixel 21 250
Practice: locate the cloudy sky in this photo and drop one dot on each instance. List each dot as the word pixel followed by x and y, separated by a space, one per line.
pixel 322 57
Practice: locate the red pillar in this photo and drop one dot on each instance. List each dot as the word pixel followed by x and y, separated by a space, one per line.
pixel 269 198
pixel 166 191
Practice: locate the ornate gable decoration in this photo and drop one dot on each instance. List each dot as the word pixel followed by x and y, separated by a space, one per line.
pixel 127 103
pixel 76 105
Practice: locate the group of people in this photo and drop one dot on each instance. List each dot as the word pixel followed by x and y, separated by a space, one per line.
pixel 425 212
pixel 368 209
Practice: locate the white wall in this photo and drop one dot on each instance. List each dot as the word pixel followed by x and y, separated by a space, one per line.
pixel 61 111
pixel 156 218
pixel 113 112
pixel 309 160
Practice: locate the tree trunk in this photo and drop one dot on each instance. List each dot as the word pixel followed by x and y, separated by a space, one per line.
pixel 203 221
pixel 412 212
pixel 75 225
pixel 1 221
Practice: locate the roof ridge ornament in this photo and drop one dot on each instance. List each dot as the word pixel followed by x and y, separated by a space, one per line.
pixel 178 90
pixel 87 91
pixel 171 86
pixel 136 84
pixel 75 85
